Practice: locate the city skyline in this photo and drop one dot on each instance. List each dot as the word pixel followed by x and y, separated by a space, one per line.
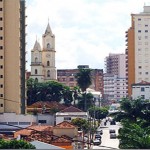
pixel 86 31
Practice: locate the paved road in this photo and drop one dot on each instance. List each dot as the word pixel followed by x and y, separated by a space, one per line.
pixel 108 143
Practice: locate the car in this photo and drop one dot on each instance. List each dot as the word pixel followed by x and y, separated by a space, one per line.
pixel 112 131
pixel 96 142
pixel 113 136
pixel 97 136
pixel 99 132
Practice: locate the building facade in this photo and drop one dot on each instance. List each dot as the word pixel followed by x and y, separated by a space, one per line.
pixel 138 49
pixel 141 90
pixel 12 56
pixel 67 77
pixel 115 86
pixel 43 58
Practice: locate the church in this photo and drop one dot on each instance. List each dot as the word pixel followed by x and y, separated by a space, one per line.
pixel 43 58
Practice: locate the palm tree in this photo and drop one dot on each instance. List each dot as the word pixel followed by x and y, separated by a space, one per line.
pixel 84 80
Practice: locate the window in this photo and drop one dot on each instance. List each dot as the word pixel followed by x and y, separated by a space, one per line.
pixel 36 79
pixel 140 67
pixel 1 66
pixel 67 118
pixel 1 9
pixel 1 85
pixel 48 73
pixel 48 46
pixel 48 64
pixel 146 72
pixel 1 18
pixel 1 105
pixel 146 31
pixel 36 59
pixel 139 19
pixel 1 95
pixel 36 72
pixel 1 57
pixel 1 76
pixel 146 25
pixel 1 28
pixel 139 37
pixel 1 38
pixel 139 31
pixel 1 47
pixel 142 89
pixel 71 79
pixel 42 121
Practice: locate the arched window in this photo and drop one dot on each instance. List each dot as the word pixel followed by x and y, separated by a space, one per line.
pixel 48 64
pixel 36 72
pixel 48 46
pixel 36 59
pixel 48 73
pixel 36 79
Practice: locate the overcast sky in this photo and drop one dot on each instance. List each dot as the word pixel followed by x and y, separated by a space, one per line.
pixel 86 31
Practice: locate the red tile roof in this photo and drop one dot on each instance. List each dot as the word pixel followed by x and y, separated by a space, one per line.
pixel 71 109
pixel 65 124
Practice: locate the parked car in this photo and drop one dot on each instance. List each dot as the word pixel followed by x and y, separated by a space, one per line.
pixel 99 132
pixel 113 136
pixel 112 131
pixel 96 142
pixel 97 136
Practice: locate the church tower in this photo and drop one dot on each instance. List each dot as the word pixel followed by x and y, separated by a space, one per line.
pixel 48 54
pixel 43 59
pixel 36 63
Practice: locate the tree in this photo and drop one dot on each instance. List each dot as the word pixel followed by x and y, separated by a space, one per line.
pixel 15 144
pixel 135 120
pixel 48 91
pixel 134 136
pixel 84 80
pixel 81 123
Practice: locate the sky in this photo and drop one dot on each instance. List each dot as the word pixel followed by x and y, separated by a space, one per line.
pixel 86 31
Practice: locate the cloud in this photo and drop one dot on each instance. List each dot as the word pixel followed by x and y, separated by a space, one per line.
pixel 86 31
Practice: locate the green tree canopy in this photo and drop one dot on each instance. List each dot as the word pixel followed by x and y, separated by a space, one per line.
pixel 15 144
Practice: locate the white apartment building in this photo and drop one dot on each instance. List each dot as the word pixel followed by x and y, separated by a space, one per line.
pixel 142 45
pixel 114 87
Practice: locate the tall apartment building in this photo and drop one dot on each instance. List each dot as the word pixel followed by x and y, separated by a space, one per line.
pixel 115 86
pixel 138 49
pixel 43 58
pixel 67 77
pixel 12 56
pixel 115 64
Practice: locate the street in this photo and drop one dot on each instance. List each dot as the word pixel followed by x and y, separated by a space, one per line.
pixel 108 143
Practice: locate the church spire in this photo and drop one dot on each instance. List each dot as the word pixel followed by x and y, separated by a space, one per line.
pixel 37 46
pixel 48 29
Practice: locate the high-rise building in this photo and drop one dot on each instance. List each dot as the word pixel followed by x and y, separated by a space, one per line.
pixel 43 58
pixel 115 64
pixel 115 87
pixel 138 49
pixel 12 56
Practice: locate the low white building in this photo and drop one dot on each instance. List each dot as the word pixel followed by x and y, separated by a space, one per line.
pixel 141 90
pixel 70 113
pixel 13 121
